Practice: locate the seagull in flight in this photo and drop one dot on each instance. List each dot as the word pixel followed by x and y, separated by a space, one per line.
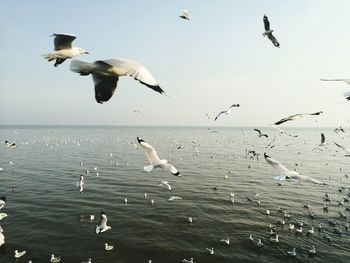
pixel 287 174
pixel 185 15
pixel 165 184
pixel 268 32
pixel 347 81
pixel 106 73
pixel 347 150
pixel 154 160
pixel 64 49
pixel 261 134
pixel 10 145
pixel 295 117
pixel 339 129
pixel 226 111
pixel 103 224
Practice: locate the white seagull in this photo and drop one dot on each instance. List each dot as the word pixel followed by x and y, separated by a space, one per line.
pixel 268 32
pixel 347 150
pixel 2 216
pixel 210 250
pixel 108 247
pixel 80 184
pixel 165 184
pixel 2 201
pixel 64 49
pixel 2 237
pixel 225 241
pixel 55 259
pixel 185 15
pixel 19 254
pixel 287 174
pixel 187 260
pixel 154 160
pixel 295 117
pixel 172 198
pixel 347 81
pixel 11 145
pixel 103 224
pixel 226 111
pixel 106 73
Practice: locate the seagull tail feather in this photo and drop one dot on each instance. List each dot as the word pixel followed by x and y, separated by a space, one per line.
pixel 148 168
pixel 82 67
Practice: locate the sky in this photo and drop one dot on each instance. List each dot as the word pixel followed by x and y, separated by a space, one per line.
pixel 204 65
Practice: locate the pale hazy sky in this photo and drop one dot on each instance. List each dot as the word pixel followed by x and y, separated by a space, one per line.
pixel 216 59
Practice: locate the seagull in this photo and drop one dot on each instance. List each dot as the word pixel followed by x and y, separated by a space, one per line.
pixel 154 160
pixel 347 150
pixel 2 216
pixel 295 117
pixel 2 237
pixel 2 201
pixel 251 238
pixel 291 227
pixel 55 259
pixel 136 110
pixel 292 253
pixel 80 184
pixel 11 145
pixel 166 185
pixel 274 239
pixel 347 81
pixel 187 260
pixel 312 251
pixel 103 224
pixel 261 134
pixel 106 73
pixel 287 174
pixel 89 261
pixel 259 243
pixel 171 198
pixel 64 49
pixel 19 254
pixel 283 131
pixel 226 111
pixel 210 250
pixel 190 220
pixel 268 32
pixel 323 139
pixel 108 247
pixel 185 15
pixel 225 241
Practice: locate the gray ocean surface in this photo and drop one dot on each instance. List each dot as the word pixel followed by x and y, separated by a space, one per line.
pixel 44 205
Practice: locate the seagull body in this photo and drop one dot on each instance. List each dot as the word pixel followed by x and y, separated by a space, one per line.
pixel 103 224
pixel 268 32
pixel 106 73
pixel 291 226
pixel 312 251
pixel 2 201
pixel 347 150
pixel 287 174
pixel 295 117
pixel 80 184
pixel 2 237
pixel 185 15
pixel 259 243
pixel 225 241
pixel 292 253
pixel 2 216
pixel 108 247
pixel 210 251
pixel 261 134
pixel 166 185
pixel 274 239
pixel 55 259
pixel 226 111
pixel 64 49
pixel 172 198
pixel 154 160
pixel 19 254
pixel 190 220
pixel 251 238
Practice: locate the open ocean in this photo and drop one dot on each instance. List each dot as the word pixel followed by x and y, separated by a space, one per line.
pixel 44 205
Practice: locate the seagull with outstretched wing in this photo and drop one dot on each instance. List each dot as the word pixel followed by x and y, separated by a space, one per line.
pixel 295 117
pixel 103 224
pixel 268 32
pixel 226 111
pixel 106 73
pixel 154 160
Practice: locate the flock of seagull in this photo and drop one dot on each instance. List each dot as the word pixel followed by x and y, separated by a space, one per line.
pixel 105 75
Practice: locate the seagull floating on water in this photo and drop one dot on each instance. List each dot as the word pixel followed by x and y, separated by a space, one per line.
pixel 64 49
pixel 210 250
pixel 55 259
pixel 292 253
pixel 268 32
pixel 103 224
pixel 226 111
pixel 2 216
pixel 154 160
pixel 19 254
pixel 108 247
pixel 106 73
pixel 287 174
pixel 80 184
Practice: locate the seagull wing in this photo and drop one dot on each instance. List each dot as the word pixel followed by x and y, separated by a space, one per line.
pixel 257 130
pixel 170 168
pixel 344 148
pixel 276 164
pixel 266 23
pixel 103 221
pixel 323 138
pixel 135 70
pixel 219 115
pixel 150 152
pixel 282 121
pixel 273 40
pixel 105 86
pixel 63 41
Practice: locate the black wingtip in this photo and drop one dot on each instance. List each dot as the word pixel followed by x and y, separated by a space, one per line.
pixel 177 174
pixel 139 139
pixel 266 156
